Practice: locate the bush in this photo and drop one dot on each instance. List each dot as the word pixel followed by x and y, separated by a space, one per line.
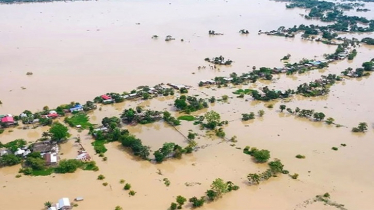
pixel 122 181
pixel 100 177
pixel 261 113
pixel 300 156
pixel 132 193
pixel 261 156
pixel 197 202
pixel 334 148
pixel 68 166
pixel 295 176
pixel 127 186
pixel 105 184
pixel 9 160
pixel 173 206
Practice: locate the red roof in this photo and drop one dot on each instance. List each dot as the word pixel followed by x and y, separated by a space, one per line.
pixel 105 97
pixel 7 119
pixel 53 115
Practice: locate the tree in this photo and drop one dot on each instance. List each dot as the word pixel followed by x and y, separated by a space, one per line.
pixel 58 131
pixel 319 116
pixel 363 126
pixel 36 163
pixel 213 119
pixel 118 208
pixel 159 156
pixel 261 156
pixel 9 160
pixel 146 96
pixel 282 107
pixel 219 187
pixel 253 178
pixel 212 195
pixel 181 200
pixel 330 120
pixel 261 113
pixel 173 206
pixel 197 202
pixel 276 166
pixel 191 136
pixel 48 204
pixel 368 66
pixel 68 166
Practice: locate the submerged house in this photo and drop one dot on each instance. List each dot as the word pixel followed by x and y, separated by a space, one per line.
pixel 8 120
pixel 44 147
pixel 76 108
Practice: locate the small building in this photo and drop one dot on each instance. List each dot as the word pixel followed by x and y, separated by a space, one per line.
pixel 52 208
pixel 52 115
pixel 9 120
pixel 228 79
pixel 76 108
pixel 63 204
pixel 108 101
pixel 207 82
pixel 50 158
pixel 315 63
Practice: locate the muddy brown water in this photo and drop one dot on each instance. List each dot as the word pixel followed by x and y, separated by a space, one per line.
pixel 79 50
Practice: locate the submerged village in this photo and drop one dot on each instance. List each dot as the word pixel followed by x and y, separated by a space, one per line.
pixel 283 132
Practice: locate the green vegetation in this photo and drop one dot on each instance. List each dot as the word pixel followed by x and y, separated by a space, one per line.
pixel 78 119
pixel 132 193
pixel 118 208
pixel 14 145
pixel 169 150
pixel 180 200
pixel 59 132
pixel 335 148
pixel 261 113
pixel 197 202
pixel 127 186
pixel 362 127
pixel 101 177
pixel 190 104
pixel 166 182
pixel 241 91
pixel 295 176
pixel 300 156
pixel 187 118
pixel 250 116
pixel 276 167
pixel 170 120
pixel 261 156
pixel 139 116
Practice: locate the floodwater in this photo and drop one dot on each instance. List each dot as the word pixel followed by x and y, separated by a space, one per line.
pixel 79 50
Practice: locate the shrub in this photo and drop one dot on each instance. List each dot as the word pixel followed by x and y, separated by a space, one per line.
pixel 261 156
pixel 68 166
pixel 127 186
pixel 166 182
pixel 100 177
pixel 122 181
pixel 334 148
pixel 225 97
pixel 343 145
pixel 173 206
pixel 295 176
pixel 300 156
pixel 197 202
pixel 261 113
pixel 132 193
pixel 118 208
pixel 105 184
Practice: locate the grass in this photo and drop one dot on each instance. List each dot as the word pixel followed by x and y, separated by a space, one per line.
pixel 45 172
pixel 187 118
pixel 241 91
pixel 79 119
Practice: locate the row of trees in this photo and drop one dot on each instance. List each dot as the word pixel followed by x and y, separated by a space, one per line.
pixel 217 189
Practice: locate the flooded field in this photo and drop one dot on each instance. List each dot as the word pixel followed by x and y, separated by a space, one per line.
pixel 80 50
